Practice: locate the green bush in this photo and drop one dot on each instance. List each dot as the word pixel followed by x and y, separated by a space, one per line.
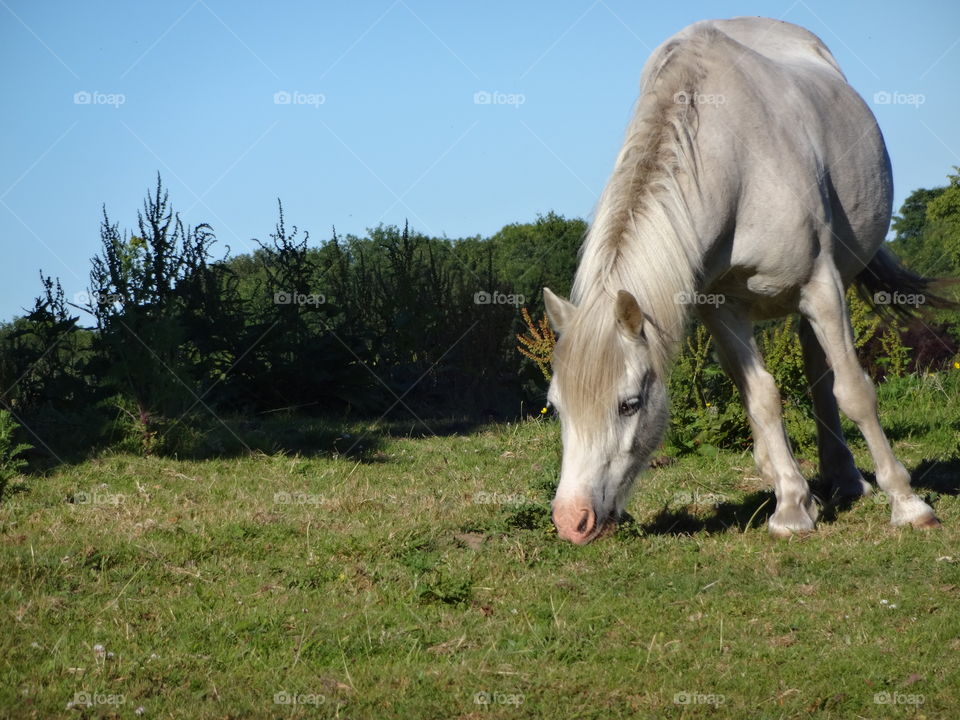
pixel 706 409
pixel 11 464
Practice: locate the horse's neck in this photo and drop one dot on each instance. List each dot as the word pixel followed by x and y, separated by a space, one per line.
pixel 657 261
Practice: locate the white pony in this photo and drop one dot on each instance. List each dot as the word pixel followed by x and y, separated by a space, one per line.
pixel 753 183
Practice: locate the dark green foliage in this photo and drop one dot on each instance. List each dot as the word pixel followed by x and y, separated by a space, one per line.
pixel 43 354
pixel 909 226
pixel 928 230
pixel 293 356
pixel 394 324
pixel 706 412
pixel 10 451
pixel 141 354
pixel 43 360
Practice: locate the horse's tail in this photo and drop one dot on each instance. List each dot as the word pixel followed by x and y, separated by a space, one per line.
pixel 894 291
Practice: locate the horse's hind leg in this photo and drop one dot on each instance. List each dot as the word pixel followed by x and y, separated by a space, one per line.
pixel 733 332
pixel 823 304
pixel 837 467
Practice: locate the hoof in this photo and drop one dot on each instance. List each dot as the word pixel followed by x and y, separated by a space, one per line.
pixel 929 523
pixel 785 533
pixel 796 520
pixel 911 510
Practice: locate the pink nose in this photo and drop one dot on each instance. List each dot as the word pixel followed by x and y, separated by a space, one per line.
pixel 575 522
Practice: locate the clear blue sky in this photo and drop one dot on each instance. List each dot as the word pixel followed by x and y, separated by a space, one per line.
pixel 397 134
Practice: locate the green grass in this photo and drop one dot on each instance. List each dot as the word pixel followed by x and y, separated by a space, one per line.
pixel 422 579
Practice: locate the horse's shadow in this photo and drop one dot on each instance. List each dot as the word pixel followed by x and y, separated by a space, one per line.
pixel 930 478
pixel 750 511
pixel 937 476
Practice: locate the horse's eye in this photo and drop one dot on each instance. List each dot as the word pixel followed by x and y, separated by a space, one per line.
pixel 629 407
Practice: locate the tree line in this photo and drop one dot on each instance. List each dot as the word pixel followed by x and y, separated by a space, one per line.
pixel 173 335
pixel 394 323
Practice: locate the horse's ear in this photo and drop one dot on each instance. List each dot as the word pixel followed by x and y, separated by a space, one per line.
pixel 559 310
pixel 629 316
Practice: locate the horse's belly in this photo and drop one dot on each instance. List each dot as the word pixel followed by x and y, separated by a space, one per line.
pixel 771 296
pixel 763 295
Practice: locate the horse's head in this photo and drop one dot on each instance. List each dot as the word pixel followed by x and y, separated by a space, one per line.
pixel 612 404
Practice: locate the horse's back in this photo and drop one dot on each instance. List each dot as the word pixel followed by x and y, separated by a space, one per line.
pixel 790 146
pixel 777 40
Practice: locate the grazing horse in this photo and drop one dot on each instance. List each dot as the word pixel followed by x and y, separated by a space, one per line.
pixel 753 183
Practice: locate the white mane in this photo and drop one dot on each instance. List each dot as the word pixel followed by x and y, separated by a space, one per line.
pixel 642 239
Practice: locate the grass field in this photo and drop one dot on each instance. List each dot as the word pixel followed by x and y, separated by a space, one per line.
pixel 419 577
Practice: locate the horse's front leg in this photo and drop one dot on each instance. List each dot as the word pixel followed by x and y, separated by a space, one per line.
pixel 733 332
